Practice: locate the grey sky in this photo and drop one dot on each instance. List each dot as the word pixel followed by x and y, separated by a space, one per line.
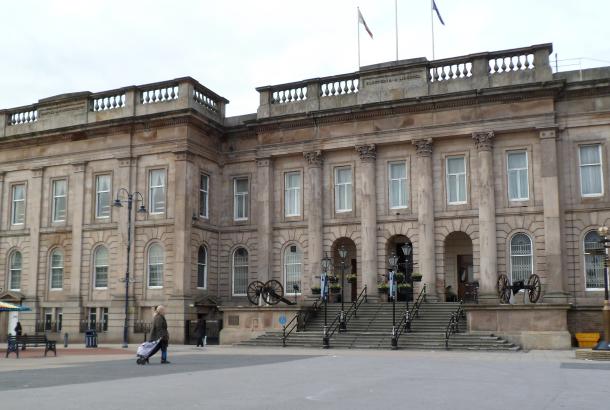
pixel 57 46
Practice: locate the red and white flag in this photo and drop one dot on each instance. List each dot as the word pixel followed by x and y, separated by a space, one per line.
pixel 361 20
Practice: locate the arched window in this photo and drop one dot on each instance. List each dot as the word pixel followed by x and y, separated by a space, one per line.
pixel 521 257
pixel 100 262
pixel 202 267
pixel 240 272
pixel 57 269
pixel 155 266
pixel 15 265
pixel 293 266
pixel 594 264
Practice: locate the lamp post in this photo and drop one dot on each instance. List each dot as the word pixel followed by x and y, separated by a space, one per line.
pixel 343 256
pixel 119 203
pixel 324 292
pixel 393 260
pixel 407 250
pixel 604 344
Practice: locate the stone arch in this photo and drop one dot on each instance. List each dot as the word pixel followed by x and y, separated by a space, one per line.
pixel 350 268
pixel 459 263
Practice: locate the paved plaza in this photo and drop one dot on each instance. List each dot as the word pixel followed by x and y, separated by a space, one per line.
pixel 259 378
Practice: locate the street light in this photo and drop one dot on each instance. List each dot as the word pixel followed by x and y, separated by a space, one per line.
pixel 343 256
pixel 326 261
pixel 393 260
pixel 604 344
pixel 407 249
pixel 118 203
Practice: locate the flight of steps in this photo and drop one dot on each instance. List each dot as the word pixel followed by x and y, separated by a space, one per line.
pixel 372 329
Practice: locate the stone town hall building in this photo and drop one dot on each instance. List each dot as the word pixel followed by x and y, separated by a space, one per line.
pixel 487 163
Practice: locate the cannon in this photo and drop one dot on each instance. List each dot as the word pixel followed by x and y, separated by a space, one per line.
pixel 271 293
pixel 532 287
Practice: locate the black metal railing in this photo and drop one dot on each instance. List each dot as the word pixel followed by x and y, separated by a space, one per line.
pixel 351 312
pixel 44 326
pixel 86 325
pixel 453 326
pixel 299 320
pixel 407 318
pixel 141 326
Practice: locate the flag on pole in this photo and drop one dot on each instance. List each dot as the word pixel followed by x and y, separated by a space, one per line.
pixel 361 20
pixel 433 8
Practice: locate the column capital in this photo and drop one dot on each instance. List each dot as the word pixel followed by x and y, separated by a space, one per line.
pixel 367 152
pixel 314 158
pixel 37 172
pixel 79 167
pixel 126 161
pixel 423 147
pixel 483 140
pixel 1 176
pixel 263 162
pixel 548 134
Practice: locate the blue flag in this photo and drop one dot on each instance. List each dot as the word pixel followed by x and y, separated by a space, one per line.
pixel 437 12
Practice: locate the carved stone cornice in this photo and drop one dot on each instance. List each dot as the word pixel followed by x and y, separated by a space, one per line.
pixel 423 147
pixel 483 140
pixel 548 134
pixel 314 158
pixel 367 152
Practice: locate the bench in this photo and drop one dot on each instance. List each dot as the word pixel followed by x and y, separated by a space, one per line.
pixel 15 341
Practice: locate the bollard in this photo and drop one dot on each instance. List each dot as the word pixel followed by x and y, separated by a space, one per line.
pixel 205 341
pixel 66 339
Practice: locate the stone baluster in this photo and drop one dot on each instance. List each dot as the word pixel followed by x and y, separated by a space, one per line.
pixel 425 215
pixel 487 218
pixel 313 209
pixel 555 286
pixel 367 199
pixel 264 205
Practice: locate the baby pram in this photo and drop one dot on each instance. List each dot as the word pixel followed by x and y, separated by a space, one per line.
pixel 146 350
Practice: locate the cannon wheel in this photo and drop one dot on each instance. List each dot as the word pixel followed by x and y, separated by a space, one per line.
pixel 254 291
pixel 273 292
pixel 533 286
pixel 503 288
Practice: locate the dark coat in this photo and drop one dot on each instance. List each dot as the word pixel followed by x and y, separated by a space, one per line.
pixel 159 329
pixel 200 329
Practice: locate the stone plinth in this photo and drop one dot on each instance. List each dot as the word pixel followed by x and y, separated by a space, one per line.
pixel 241 323
pixel 541 326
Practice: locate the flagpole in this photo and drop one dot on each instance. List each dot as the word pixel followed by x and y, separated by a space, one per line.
pixel 358 27
pixel 432 21
pixel 396 24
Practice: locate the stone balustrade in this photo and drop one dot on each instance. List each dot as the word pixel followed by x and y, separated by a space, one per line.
pixel 78 109
pixel 413 78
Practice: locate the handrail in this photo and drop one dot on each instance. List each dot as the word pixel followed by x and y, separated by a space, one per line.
pixel 300 318
pixel 408 316
pixel 453 325
pixel 352 311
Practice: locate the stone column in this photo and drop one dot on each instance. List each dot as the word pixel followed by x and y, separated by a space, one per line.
pixel 264 205
pixel 425 215
pixel 367 199
pixel 313 207
pixel 487 218
pixel 182 226
pixel 555 286
pixel 76 208
pixel 8 216
pixel 33 209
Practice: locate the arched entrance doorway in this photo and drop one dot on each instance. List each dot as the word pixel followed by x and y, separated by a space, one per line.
pixel 458 265
pixel 8 320
pixel 350 288
pixel 395 245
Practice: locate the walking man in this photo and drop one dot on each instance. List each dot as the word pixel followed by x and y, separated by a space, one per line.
pixel 159 331
pixel 200 331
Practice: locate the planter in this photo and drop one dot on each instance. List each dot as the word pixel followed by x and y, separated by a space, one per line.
pixel 416 278
pixel 335 290
pixel 383 289
pixel 316 291
pixel 587 339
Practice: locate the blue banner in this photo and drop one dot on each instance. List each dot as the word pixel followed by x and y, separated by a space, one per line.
pixel 324 286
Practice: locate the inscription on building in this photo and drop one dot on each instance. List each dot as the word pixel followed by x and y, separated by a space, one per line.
pixel 395 78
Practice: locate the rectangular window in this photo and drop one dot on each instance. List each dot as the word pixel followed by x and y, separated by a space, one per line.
pixel 292 194
pixel 59 318
pixel 102 196
pixel 18 204
pixel 518 187
pixel 204 184
pixel 104 312
pixel 48 318
pixel 240 192
pixel 456 180
pixel 92 318
pixel 343 189
pixel 59 200
pixel 591 174
pixel 397 173
pixel 156 193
